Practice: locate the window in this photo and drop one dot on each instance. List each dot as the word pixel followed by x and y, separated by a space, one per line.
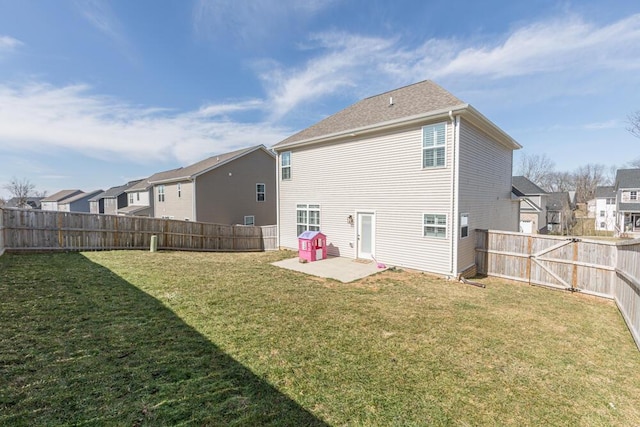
pixel 138 197
pixel 307 218
pixel 130 198
pixel 464 225
pixel 285 164
pixel 602 225
pixel 601 214
pixel 611 201
pixel 161 193
pixel 434 225
pixel 179 190
pixel 433 145
pixel 633 195
pixel 260 192
pixel 249 220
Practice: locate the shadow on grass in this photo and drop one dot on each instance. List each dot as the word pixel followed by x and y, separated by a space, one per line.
pixel 78 345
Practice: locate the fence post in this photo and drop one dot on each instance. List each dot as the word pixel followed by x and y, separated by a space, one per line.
pixel 2 231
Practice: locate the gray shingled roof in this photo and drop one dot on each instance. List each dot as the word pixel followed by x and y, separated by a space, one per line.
pixel 412 100
pixel 605 192
pixel 523 186
pixel 61 195
pixel 201 166
pixel 80 197
pixel 558 201
pixel 628 178
pixel 629 207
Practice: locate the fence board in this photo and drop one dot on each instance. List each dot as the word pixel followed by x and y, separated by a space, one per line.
pixel 30 230
pixel 605 269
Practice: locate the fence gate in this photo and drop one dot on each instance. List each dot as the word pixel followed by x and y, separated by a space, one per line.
pixel 555 266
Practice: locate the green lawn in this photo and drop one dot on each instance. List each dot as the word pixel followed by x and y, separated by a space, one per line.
pixel 169 338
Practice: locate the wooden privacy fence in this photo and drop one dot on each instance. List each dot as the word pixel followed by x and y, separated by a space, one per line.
pixel 30 230
pixel 601 268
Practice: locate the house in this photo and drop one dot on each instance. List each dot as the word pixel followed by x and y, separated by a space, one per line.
pixel 627 189
pixel 139 199
pixel 109 201
pixel 78 202
pixel 232 188
pixel 560 215
pixel 605 208
pixel 406 176
pixel 533 202
pixel 50 203
pixel 23 203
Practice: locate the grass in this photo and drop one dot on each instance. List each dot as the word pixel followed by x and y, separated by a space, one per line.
pixel 134 338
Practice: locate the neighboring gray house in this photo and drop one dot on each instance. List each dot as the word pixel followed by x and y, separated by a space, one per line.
pixel 110 201
pixel 627 189
pixel 50 203
pixel 232 188
pixel 605 208
pixel 27 203
pixel 533 202
pixel 139 199
pixel 406 177
pixel 78 202
pixel 560 215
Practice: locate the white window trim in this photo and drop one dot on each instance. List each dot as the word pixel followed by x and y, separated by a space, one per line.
pixel 307 225
pixel 283 166
pixel 462 225
pixel 253 219
pixel 179 186
pixel 263 192
pixel 445 226
pixel 161 193
pixel 434 147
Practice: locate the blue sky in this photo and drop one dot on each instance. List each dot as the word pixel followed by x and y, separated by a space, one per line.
pixel 95 93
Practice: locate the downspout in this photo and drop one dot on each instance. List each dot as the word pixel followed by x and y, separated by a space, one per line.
pixel 194 198
pixel 277 200
pixel 455 123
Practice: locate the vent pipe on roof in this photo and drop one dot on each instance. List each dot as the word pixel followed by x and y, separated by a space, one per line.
pixel 390 101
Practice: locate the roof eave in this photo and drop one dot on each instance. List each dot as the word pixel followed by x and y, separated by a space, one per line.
pixel 391 124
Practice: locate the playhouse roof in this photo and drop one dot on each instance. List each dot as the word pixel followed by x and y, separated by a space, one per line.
pixel 310 235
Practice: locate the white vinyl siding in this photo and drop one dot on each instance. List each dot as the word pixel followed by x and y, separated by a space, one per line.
pixel 381 174
pixel 434 145
pixel 172 205
pixel 485 170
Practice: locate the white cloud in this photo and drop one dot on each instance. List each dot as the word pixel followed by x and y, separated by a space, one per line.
pixel 8 44
pixel 42 117
pixel 566 47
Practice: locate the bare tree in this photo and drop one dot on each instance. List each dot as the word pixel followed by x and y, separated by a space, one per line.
pixel 634 124
pixel 536 168
pixel 587 178
pixel 635 163
pixel 557 182
pixel 20 189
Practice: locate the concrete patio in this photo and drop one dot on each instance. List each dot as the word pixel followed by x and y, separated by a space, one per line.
pixel 344 270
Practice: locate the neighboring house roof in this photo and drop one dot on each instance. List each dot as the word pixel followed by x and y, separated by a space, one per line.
pixel 33 202
pixel 627 178
pixel 141 185
pixel 61 195
pixel 191 171
pixel 627 207
pixel 80 197
pixel 132 209
pixel 523 186
pixel 397 107
pixel 114 192
pixel 558 201
pixel 605 192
